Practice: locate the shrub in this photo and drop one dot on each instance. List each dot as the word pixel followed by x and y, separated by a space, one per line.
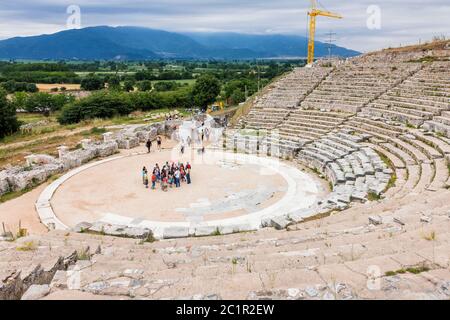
pixel 8 119
pixel 102 104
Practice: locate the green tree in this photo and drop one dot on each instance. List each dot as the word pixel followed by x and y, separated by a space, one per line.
pixel 40 102
pixel 8 118
pixel 19 100
pixel 114 83
pixel 144 85
pixel 237 96
pixel 102 104
pixel 166 86
pixel 92 83
pixel 205 91
pixel 128 86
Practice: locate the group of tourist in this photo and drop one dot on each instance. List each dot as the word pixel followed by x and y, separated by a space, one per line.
pixel 169 176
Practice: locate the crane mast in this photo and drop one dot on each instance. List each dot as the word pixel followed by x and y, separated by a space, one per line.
pixel 313 13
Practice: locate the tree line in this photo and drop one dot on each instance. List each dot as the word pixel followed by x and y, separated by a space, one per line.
pixel 110 103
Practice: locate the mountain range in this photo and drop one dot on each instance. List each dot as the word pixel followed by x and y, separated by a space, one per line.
pixel 137 43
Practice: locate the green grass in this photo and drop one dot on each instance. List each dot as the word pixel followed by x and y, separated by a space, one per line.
pixel 389 164
pixel 13 195
pixel 412 270
pixel 372 196
pixel 84 254
pixel 27 246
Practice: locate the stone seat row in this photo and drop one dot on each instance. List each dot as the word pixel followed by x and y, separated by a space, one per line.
pixel 352 169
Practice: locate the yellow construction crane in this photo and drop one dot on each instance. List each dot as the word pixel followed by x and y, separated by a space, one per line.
pixel 312 26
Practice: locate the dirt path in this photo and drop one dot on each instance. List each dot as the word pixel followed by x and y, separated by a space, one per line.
pixel 62 133
pixel 22 210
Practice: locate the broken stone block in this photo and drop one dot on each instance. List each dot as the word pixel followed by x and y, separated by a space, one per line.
pixel 128 143
pixel 39 159
pixel 108 136
pixel 296 217
pixel 312 292
pixel 78 157
pixel 136 233
pixel 85 143
pixel 105 149
pixel 23 178
pixel 62 151
pixel 4 185
pixel 60 280
pixel 280 223
pixel 375 220
pixel 36 292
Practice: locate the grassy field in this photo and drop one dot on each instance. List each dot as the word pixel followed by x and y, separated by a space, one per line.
pixel 187 81
pixel 43 87
pixel 84 74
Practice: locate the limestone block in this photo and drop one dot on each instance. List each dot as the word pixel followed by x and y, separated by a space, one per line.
pixel 39 159
pixel 128 142
pixel 137 233
pixel 377 187
pixel 60 280
pixel 108 136
pixel 77 158
pixel 280 223
pixel 118 230
pixel 175 232
pixel 62 151
pixel 426 219
pixel 4 185
pixel 297 217
pixel 85 143
pixel 36 292
pixel 206 231
pixel 375 220
pixel 243 227
pixel 105 149
pixel 33 176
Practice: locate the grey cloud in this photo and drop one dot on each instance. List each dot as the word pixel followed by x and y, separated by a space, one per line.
pixel 403 21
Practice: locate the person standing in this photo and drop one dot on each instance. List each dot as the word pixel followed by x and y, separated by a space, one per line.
pixel 188 174
pixel 177 177
pixel 146 181
pixel 149 145
pixel 189 141
pixel 158 173
pixel 153 181
pixel 159 143
pixel 144 173
pixel 207 134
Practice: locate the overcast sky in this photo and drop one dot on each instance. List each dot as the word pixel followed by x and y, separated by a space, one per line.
pixel 402 21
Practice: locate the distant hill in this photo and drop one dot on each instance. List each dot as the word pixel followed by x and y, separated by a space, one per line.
pixel 270 45
pixel 135 43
